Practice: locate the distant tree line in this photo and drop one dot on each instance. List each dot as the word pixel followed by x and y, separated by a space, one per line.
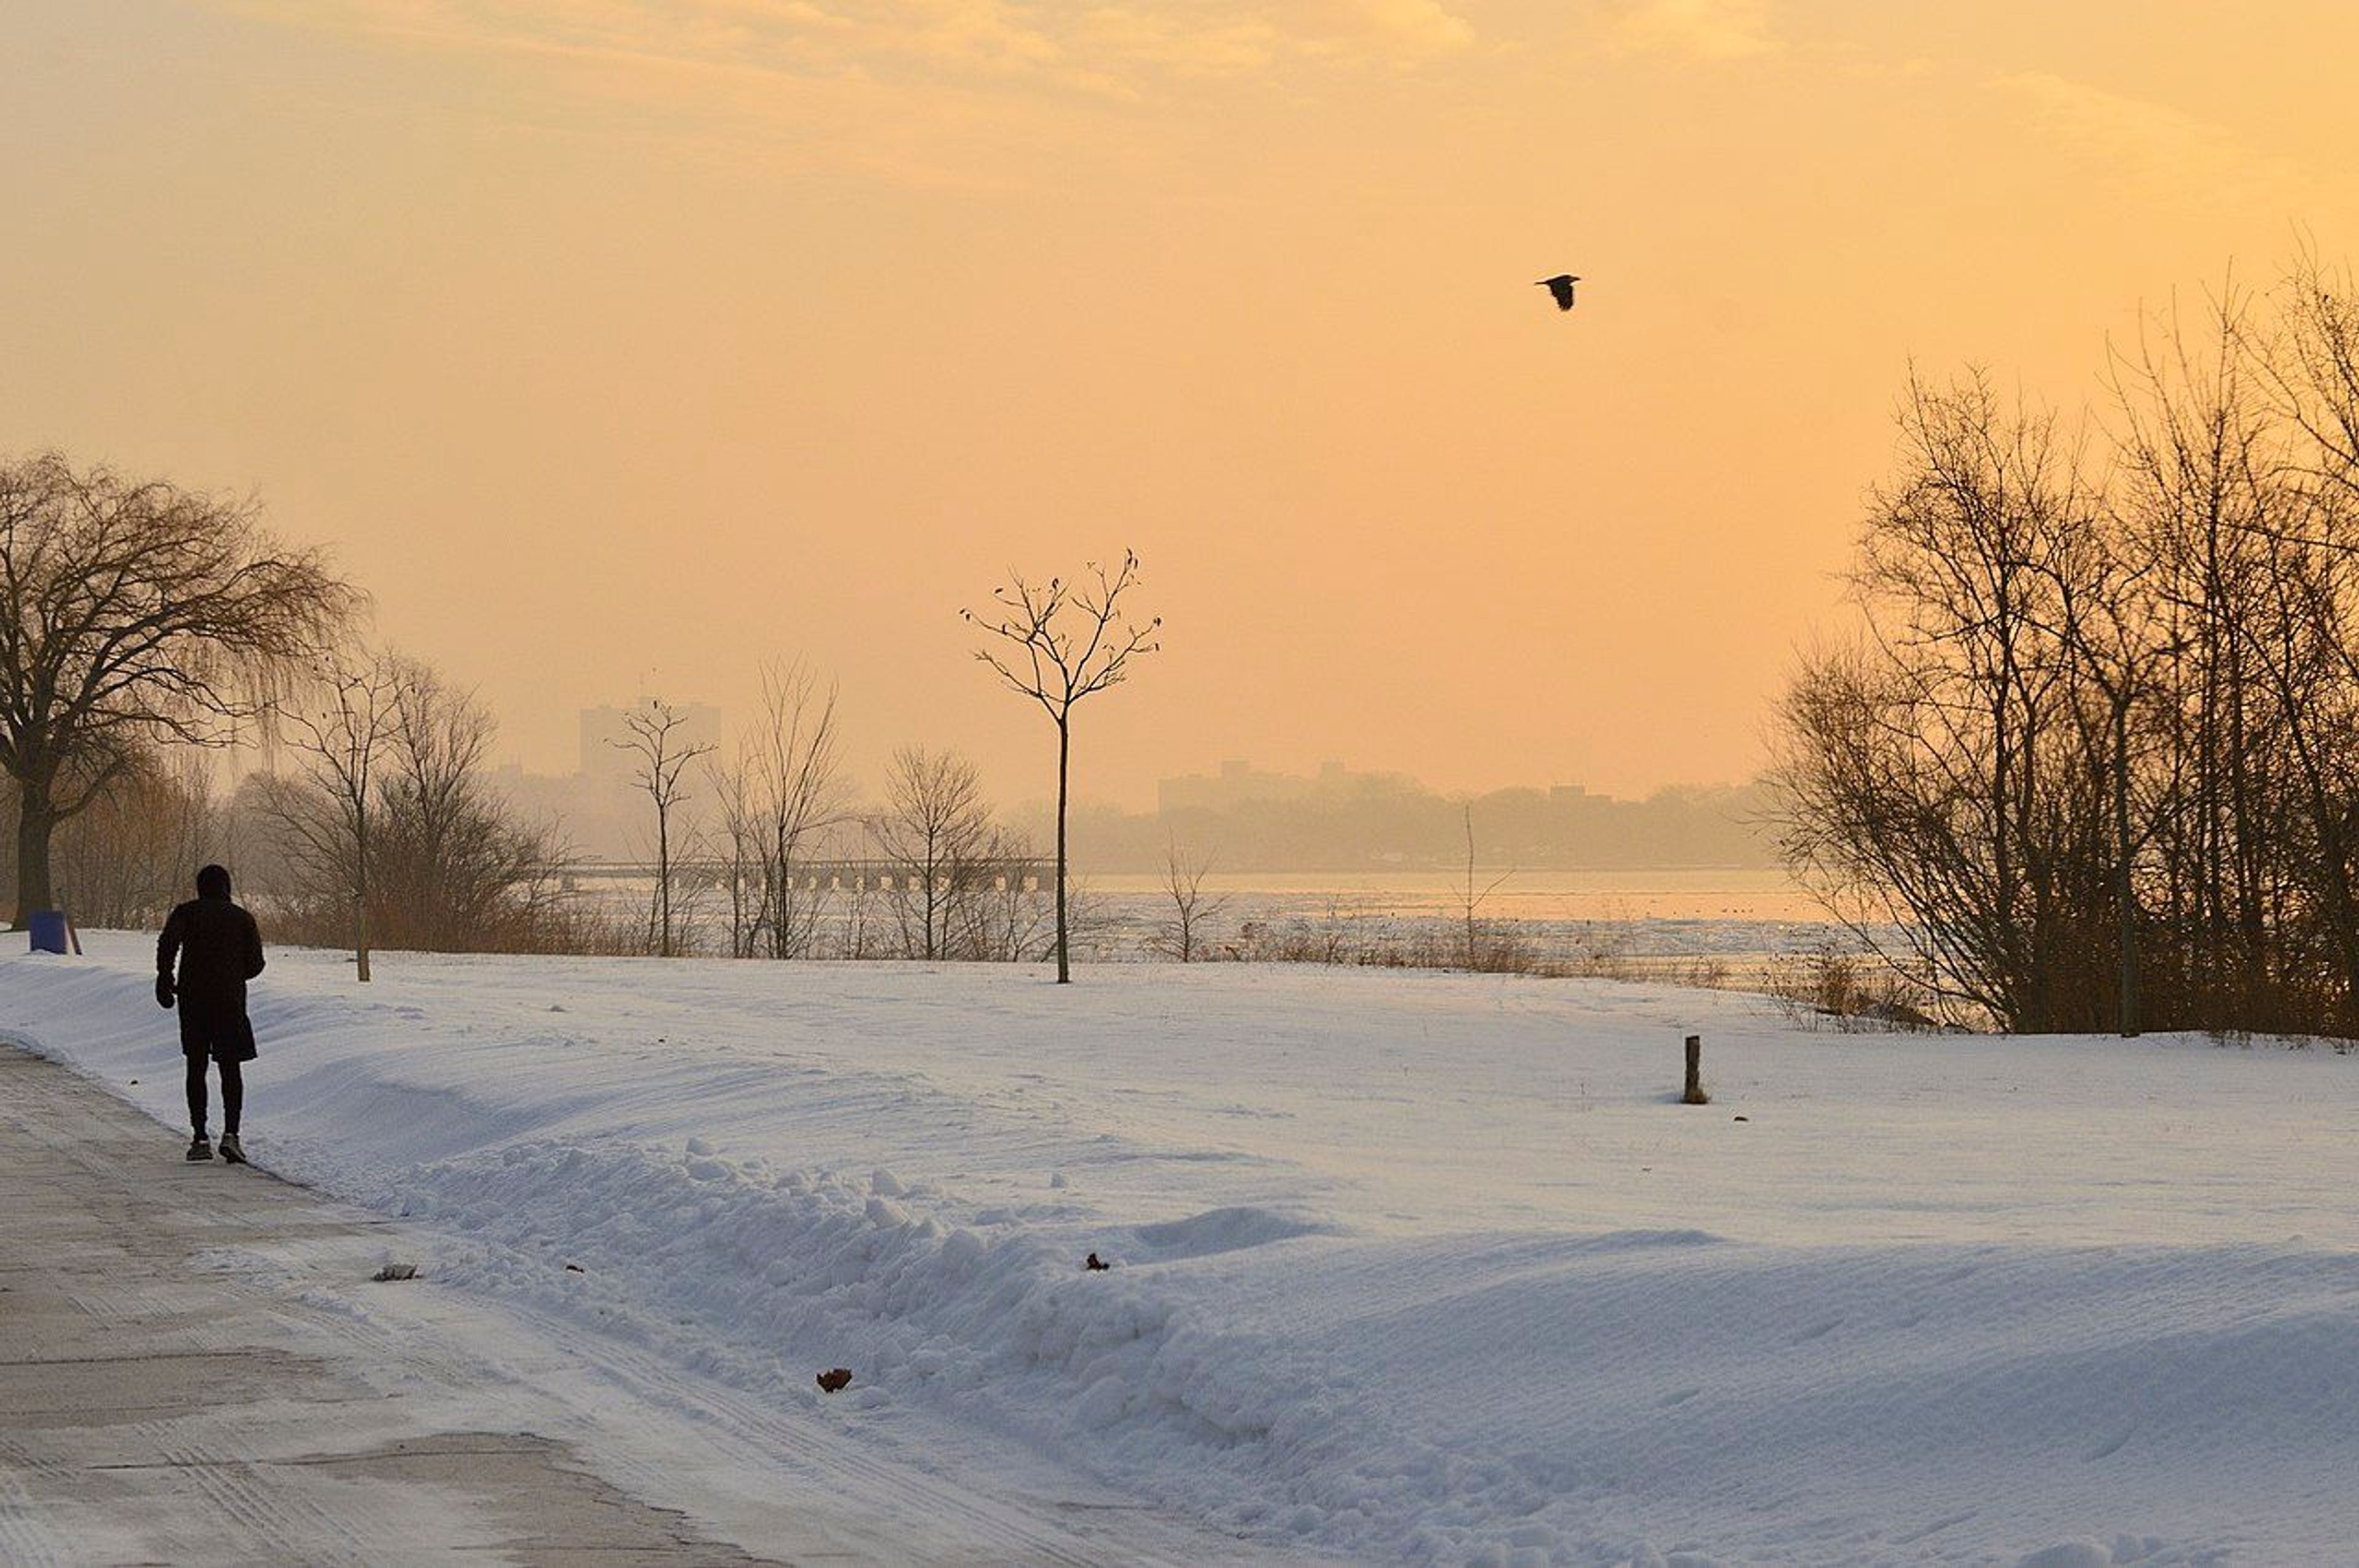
pixel 427 856
pixel 145 628
pixel 950 882
pixel 2092 759
pixel 1379 825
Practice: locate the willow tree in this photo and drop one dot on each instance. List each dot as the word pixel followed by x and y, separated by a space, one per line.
pixel 133 614
pixel 1057 643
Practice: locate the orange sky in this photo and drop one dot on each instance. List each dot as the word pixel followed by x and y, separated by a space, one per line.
pixel 619 345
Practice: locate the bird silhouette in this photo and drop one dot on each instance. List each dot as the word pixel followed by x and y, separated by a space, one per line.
pixel 1559 285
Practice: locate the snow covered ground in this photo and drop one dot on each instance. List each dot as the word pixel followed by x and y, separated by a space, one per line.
pixel 1405 1265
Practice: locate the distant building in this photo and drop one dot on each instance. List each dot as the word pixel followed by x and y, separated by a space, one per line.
pixel 1239 782
pixel 600 812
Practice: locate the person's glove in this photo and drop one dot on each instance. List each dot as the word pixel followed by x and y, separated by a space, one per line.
pixel 164 991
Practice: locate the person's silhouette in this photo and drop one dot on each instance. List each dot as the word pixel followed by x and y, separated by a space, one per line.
pixel 219 948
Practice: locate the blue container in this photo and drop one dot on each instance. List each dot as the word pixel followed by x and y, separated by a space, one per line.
pixel 49 930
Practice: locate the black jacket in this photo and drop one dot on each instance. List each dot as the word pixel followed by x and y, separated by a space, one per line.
pixel 219 948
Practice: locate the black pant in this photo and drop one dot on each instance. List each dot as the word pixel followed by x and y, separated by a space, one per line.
pixel 232 1096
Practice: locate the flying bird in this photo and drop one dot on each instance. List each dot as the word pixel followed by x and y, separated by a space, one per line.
pixel 1559 285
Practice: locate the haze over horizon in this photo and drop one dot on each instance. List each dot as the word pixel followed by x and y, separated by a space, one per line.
pixel 618 347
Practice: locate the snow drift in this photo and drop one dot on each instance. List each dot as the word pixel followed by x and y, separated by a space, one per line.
pixel 1404 1266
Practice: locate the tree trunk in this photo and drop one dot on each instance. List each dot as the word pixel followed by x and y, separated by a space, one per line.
pixel 1064 755
pixel 663 878
pixel 34 820
pixel 360 903
pixel 932 905
pixel 2126 888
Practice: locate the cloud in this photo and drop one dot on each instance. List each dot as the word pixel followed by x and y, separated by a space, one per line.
pixel 1120 46
pixel 1411 30
pixel 1700 29
pixel 2161 153
pixel 1002 94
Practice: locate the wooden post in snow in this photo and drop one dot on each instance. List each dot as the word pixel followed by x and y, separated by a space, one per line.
pixel 1695 1095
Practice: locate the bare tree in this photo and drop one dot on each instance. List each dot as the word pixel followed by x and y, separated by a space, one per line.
pixel 1181 932
pixel 2312 365
pixel 456 868
pixel 1059 643
pixel 134 613
pixel 1470 897
pixel 797 797
pixel 932 832
pixel 854 942
pixel 662 755
pixel 1002 913
pixel 2200 505
pixel 742 838
pixel 452 867
pixel 341 736
pixel 1937 775
pixel 2092 762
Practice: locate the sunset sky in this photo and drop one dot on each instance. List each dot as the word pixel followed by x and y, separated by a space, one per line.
pixel 619 345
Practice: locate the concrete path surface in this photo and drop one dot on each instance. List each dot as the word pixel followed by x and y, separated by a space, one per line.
pixel 157 1407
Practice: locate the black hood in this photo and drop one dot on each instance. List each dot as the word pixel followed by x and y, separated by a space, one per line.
pixel 214 882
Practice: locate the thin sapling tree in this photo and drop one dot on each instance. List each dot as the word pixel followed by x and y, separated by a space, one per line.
pixel 654 737
pixel 1057 643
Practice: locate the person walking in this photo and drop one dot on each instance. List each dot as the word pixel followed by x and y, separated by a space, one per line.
pixel 219 948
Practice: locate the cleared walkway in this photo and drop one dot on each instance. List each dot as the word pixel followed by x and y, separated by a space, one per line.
pixel 157 1407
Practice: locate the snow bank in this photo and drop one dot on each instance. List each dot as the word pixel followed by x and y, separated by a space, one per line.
pixel 1403 1266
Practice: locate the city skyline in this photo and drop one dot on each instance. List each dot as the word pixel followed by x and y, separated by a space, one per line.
pixel 600 755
